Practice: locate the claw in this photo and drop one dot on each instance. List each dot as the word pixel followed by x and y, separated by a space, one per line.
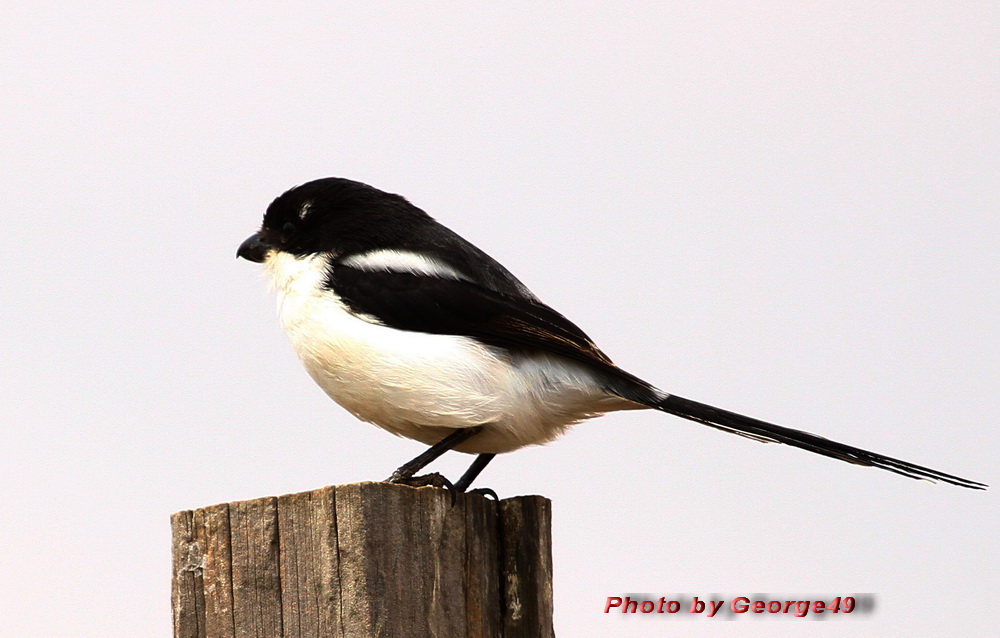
pixel 426 480
pixel 485 491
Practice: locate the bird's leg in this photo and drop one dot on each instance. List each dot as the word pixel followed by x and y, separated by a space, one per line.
pixel 406 471
pixel 470 474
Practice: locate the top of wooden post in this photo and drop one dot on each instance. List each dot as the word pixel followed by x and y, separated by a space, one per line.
pixel 364 559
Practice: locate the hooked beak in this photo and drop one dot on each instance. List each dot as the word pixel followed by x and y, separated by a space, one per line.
pixel 255 249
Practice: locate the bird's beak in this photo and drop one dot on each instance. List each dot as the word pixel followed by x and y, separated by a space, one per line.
pixel 255 248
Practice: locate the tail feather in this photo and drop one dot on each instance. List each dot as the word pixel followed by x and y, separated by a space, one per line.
pixel 769 432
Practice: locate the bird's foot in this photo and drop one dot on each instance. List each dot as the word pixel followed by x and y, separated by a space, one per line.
pixel 426 480
pixel 484 491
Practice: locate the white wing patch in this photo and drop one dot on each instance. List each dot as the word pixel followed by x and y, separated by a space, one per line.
pixel 403 261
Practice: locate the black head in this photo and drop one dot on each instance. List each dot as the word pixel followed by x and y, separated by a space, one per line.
pixel 333 215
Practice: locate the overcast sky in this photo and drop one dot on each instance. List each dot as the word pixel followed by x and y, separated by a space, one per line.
pixel 784 209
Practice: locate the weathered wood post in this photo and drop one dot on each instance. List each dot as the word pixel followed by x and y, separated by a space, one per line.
pixel 365 559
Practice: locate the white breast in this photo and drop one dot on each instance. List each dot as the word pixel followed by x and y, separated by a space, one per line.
pixel 421 385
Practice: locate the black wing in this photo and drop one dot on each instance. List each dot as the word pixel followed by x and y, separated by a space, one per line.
pixel 437 305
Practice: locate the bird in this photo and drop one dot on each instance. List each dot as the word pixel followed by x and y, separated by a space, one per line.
pixel 412 328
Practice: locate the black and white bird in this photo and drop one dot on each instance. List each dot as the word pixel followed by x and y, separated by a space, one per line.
pixel 412 328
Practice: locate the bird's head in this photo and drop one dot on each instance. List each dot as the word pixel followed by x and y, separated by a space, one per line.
pixel 334 216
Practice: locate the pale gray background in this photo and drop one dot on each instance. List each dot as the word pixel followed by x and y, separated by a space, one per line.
pixel 786 209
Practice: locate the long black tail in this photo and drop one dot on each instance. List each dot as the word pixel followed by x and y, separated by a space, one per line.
pixel 771 433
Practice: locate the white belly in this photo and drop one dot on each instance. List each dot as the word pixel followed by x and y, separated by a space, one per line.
pixel 422 386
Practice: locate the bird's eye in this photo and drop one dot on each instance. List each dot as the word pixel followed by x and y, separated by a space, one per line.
pixel 287 231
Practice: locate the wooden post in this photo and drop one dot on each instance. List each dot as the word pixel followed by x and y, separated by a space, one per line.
pixel 365 559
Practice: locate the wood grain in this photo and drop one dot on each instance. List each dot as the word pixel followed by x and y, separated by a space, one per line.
pixel 364 559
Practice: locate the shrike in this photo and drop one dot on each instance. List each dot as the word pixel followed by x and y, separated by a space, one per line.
pixel 412 328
